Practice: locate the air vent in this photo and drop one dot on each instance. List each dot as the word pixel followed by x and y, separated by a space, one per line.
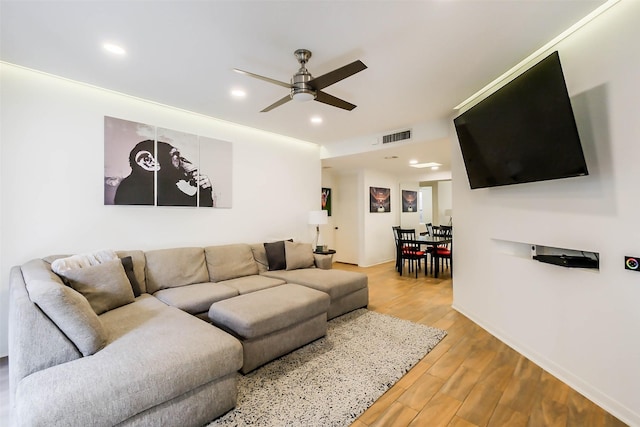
pixel 398 136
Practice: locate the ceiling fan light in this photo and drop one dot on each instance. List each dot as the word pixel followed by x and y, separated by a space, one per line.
pixel 302 96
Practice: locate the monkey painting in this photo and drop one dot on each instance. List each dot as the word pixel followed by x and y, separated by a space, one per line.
pixel 179 181
pixel 137 188
pixel 147 165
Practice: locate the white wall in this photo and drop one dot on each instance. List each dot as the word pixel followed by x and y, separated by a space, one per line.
pixel 378 244
pixel 363 238
pixel 445 201
pixel 51 197
pixel 409 220
pixel 581 325
pixel 327 231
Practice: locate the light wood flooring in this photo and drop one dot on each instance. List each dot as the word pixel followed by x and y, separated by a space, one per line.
pixel 469 379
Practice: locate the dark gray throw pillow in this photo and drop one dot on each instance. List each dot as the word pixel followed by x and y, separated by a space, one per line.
pixel 276 255
pixel 127 263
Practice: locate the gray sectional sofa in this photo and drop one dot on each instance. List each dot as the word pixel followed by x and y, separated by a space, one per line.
pixel 84 349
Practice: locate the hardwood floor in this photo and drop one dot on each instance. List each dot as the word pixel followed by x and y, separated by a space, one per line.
pixel 469 379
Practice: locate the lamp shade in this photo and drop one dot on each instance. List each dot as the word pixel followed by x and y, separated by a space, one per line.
pixel 318 217
pixel 448 212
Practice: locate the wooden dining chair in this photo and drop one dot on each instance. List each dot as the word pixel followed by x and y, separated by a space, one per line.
pixel 395 229
pixel 444 251
pixel 410 251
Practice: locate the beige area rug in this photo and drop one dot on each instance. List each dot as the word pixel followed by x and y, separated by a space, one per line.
pixel 333 380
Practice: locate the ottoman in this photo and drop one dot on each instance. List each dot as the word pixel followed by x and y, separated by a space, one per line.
pixel 272 322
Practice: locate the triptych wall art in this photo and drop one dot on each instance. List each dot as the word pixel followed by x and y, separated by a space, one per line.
pixel 148 165
pixel 379 199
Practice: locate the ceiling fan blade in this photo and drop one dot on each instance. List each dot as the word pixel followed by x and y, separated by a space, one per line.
pixel 332 100
pixel 266 79
pixel 277 104
pixel 336 75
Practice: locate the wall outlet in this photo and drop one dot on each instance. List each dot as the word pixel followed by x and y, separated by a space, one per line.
pixel 632 263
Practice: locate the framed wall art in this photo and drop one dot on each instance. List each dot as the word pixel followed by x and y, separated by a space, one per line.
pixel 148 165
pixel 326 200
pixel 379 199
pixel 409 201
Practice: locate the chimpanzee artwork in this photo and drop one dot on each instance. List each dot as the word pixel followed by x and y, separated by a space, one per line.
pixel 146 165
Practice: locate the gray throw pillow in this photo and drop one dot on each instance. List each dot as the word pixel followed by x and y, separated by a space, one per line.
pixel 71 313
pixel 105 285
pixel 298 255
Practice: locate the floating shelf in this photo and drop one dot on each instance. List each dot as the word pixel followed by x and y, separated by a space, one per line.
pixel 564 257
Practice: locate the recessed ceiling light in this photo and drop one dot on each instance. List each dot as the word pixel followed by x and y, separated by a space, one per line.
pixel 435 168
pixel 113 48
pixel 426 165
pixel 238 93
pixel 413 162
pixel 316 120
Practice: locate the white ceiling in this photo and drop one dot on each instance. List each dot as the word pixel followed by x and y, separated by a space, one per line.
pixel 423 57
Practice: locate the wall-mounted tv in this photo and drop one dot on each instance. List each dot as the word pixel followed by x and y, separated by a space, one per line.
pixel 523 132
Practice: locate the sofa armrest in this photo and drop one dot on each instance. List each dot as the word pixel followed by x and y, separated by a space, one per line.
pixel 323 261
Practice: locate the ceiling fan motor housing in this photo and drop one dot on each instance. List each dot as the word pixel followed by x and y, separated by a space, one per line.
pixel 301 90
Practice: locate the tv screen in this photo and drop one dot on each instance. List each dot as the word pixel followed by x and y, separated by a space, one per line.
pixel 524 132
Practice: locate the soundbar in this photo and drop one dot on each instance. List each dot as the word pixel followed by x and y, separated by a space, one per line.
pixel 568 260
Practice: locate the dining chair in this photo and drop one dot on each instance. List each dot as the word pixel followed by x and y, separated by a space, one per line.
pixel 410 251
pixel 444 251
pixel 395 229
pixel 428 226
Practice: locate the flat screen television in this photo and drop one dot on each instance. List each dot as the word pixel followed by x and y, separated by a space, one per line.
pixel 524 132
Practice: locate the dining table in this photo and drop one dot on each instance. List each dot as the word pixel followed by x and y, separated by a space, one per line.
pixel 427 240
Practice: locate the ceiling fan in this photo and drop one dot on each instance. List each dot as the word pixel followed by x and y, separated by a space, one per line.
pixel 304 87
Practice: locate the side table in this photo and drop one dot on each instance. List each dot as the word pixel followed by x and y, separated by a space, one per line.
pixel 324 259
pixel 327 252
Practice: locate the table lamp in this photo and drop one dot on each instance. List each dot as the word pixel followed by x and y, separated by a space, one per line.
pixel 318 218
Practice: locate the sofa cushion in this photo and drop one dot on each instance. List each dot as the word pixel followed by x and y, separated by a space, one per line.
pixel 105 285
pixel 337 283
pixel 276 255
pixel 170 268
pixel 260 313
pixel 196 298
pixel 71 312
pixel 248 284
pixel 298 255
pixel 260 257
pixel 39 270
pixel 230 261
